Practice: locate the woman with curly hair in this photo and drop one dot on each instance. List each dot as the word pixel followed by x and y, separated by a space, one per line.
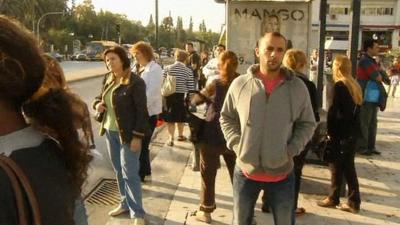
pixel 55 168
pixel 55 79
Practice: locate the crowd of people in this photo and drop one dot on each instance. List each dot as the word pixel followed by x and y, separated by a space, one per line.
pixel 260 122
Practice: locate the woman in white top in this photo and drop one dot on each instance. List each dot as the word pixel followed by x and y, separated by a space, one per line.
pixel 152 75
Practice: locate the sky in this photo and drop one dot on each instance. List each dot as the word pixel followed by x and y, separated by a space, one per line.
pixel 212 12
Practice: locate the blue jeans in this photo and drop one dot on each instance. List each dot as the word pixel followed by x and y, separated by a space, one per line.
pixel 126 167
pixel 280 196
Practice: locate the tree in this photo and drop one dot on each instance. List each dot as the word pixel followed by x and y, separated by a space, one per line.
pixel 151 31
pixel 180 32
pixel 29 11
pixel 166 33
pixel 151 22
pixel 60 38
pixel 202 27
pixel 190 34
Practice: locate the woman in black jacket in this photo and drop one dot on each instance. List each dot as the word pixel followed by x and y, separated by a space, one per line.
pixel 343 129
pixel 125 122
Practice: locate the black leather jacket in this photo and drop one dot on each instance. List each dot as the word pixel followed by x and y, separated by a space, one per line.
pixel 129 103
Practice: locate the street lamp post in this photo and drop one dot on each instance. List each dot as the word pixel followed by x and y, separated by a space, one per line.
pixel 156 6
pixel 40 19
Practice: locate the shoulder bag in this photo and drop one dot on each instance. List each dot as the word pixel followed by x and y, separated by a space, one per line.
pixel 21 187
pixel 168 86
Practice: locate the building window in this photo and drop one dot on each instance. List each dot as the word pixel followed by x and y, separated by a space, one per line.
pixel 373 11
pixel 338 35
pixel 338 10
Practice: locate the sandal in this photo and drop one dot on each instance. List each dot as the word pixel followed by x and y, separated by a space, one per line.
pixel 170 143
pixel 181 138
pixel 300 211
pixel 347 208
pixel 327 202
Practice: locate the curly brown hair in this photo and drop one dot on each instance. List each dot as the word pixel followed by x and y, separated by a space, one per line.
pixel 22 69
pixel 145 49
pixel 54 75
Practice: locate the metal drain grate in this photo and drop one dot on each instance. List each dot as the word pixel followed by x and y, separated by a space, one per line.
pixel 105 193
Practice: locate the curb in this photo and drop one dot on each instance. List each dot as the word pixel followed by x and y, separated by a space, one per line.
pixel 84 78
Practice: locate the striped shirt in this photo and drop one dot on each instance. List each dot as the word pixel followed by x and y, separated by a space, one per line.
pixel 184 77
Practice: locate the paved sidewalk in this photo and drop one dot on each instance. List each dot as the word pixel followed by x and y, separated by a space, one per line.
pixel 379 178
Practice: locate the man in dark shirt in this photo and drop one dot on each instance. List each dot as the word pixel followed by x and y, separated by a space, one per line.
pixel 194 61
pixel 368 71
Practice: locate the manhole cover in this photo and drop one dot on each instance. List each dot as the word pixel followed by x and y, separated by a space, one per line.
pixel 105 193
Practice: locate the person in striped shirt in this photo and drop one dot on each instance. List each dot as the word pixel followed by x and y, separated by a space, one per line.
pixel 174 110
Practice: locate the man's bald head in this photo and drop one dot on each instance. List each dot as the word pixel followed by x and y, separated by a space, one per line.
pixel 270 35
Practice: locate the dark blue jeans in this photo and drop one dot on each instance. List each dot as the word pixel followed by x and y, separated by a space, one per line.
pixel 368 126
pixel 280 196
pixel 126 167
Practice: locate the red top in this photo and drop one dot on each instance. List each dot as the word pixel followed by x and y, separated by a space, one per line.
pixel 269 85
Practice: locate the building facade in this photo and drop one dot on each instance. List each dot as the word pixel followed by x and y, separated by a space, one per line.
pixel 380 19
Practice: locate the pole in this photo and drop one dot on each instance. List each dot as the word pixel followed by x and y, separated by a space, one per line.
pixel 156 26
pixel 40 19
pixel 354 35
pixel 321 57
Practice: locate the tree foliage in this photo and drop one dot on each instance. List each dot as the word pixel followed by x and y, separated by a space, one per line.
pixel 82 22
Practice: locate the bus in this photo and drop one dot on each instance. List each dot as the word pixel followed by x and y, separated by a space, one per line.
pixel 95 49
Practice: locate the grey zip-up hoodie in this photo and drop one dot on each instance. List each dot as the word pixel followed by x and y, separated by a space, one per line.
pixel 267 131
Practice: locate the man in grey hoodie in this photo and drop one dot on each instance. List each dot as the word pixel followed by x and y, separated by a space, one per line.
pixel 267 119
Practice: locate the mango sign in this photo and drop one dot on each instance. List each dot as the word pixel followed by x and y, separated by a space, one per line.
pixel 248 21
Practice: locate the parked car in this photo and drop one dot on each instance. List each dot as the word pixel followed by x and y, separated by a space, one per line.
pixel 55 55
pixel 81 57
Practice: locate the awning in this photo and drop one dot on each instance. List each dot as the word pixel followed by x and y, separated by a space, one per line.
pixel 336 45
pixel 380 27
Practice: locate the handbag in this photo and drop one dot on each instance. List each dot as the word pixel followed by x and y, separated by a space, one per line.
pixel 329 153
pixel 168 86
pixel 333 148
pixel 27 214
pixel 195 119
pixel 99 116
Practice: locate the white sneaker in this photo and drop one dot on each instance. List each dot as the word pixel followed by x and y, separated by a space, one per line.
pixel 117 211
pixel 139 221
